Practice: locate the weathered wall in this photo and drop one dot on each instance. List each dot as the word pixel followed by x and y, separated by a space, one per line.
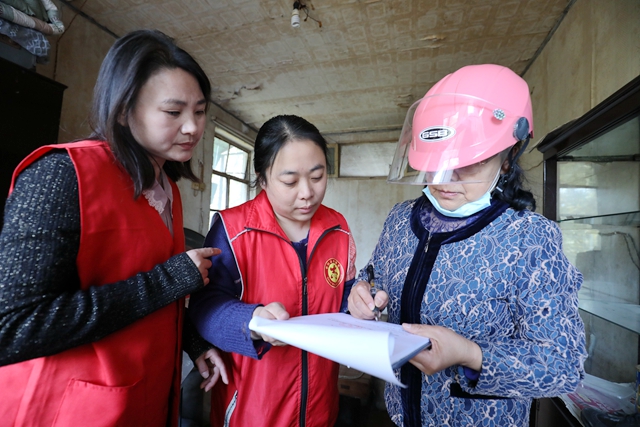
pixel 75 60
pixel 594 52
pixel 365 204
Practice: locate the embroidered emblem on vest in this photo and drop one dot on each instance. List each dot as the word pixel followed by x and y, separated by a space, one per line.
pixel 333 272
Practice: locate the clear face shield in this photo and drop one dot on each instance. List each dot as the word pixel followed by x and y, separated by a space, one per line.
pixel 452 138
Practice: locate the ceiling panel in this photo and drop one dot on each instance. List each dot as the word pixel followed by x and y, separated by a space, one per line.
pixel 358 72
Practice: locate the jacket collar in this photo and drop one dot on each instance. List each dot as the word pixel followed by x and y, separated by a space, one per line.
pixel 262 217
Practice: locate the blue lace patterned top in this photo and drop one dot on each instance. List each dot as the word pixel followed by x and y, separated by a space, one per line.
pixel 498 278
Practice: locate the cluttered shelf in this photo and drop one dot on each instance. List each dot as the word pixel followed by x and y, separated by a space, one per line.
pixel 602 396
pixel 620 219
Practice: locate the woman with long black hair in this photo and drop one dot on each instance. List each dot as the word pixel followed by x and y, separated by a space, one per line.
pixel 93 271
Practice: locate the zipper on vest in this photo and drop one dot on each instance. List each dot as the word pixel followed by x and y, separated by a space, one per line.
pixel 305 295
pixel 324 233
pixel 305 389
pixel 305 310
pixel 304 393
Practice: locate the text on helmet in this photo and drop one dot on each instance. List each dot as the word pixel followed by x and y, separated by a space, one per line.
pixel 437 133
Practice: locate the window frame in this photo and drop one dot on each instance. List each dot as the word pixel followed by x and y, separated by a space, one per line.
pixel 242 144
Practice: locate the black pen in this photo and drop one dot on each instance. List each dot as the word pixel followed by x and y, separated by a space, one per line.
pixel 376 310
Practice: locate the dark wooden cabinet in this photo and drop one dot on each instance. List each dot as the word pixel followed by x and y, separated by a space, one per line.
pixel 592 189
pixel 30 106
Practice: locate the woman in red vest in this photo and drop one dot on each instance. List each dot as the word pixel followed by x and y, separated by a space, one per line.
pixel 93 272
pixel 283 254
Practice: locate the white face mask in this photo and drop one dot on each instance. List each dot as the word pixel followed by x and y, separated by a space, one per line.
pixel 467 209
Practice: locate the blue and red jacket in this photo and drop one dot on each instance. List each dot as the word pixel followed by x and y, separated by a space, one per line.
pixel 284 386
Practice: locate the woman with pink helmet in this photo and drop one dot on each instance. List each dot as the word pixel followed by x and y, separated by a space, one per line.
pixel 471 266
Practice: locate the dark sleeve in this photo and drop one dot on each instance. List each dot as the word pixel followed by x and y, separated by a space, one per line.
pixel 192 343
pixel 344 306
pixel 216 310
pixel 43 311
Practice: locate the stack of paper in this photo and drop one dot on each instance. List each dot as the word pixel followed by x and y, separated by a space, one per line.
pixel 376 348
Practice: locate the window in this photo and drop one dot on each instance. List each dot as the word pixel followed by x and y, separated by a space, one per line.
pixel 368 159
pixel 230 180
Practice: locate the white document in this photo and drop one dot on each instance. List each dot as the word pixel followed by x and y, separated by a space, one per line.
pixel 376 348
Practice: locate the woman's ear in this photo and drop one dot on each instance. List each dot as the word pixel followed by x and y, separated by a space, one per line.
pixel 261 181
pixel 122 119
pixel 505 166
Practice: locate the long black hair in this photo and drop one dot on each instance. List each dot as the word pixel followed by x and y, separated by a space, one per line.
pixel 510 187
pixel 130 62
pixel 275 133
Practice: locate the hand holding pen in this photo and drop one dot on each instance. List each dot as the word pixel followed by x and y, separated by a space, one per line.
pixel 364 300
pixel 373 290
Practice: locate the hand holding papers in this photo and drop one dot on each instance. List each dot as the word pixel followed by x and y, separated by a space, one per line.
pixel 376 348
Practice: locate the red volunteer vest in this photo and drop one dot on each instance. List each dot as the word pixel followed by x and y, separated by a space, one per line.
pixel 131 377
pixel 282 387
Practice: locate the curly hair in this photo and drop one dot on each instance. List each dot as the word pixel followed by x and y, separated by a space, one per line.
pixel 510 187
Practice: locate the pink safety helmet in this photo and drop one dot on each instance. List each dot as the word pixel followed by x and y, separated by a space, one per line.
pixel 465 118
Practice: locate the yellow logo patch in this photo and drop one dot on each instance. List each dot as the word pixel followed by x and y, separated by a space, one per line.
pixel 333 272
